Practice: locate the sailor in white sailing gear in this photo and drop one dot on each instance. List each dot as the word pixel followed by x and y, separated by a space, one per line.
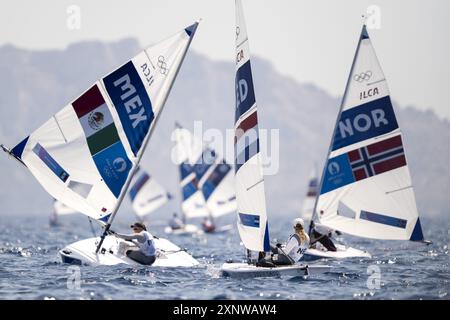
pixel 176 223
pixel 208 225
pixel 295 247
pixel 144 251
pixel 322 234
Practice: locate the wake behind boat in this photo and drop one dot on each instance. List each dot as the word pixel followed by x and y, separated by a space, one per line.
pixel 86 155
pixel 342 252
pixel 245 270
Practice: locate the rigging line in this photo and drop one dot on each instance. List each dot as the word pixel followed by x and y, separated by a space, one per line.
pixel 59 127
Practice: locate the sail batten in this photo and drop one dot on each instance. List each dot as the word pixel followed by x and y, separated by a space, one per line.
pixel 367 160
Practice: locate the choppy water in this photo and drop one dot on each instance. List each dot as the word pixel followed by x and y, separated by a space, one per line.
pixel 31 269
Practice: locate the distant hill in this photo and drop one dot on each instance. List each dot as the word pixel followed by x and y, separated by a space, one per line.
pixel 36 84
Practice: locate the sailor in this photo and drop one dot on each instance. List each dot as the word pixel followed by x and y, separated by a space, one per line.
pixel 176 223
pixel 322 234
pixel 294 248
pixel 144 251
pixel 53 220
pixel 291 252
pixel 208 225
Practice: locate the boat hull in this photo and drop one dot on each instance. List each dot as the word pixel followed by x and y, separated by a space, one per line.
pixel 188 229
pixel 343 252
pixel 244 270
pixel 83 252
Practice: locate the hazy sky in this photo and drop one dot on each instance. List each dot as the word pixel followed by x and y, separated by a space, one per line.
pixel 312 41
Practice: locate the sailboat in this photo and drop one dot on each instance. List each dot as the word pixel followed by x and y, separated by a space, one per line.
pixel 86 154
pixel 317 251
pixel 252 221
pixel 213 192
pixel 147 195
pixel 59 209
pixel 192 202
pixel 366 187
pixel 310 197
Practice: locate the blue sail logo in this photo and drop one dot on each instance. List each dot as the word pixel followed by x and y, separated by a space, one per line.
pixel 365 121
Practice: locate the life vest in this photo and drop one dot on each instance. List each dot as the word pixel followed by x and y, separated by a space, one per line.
pixel 148 246
pixel 295 248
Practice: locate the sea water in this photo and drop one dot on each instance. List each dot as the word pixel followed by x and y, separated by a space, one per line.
pixel 30 267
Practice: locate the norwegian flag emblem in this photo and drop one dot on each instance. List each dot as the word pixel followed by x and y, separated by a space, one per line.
pixel 377 158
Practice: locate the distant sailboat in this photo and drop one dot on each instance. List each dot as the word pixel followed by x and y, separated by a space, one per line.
pixel 366 187
pixel 210 192
pixel 192 201
pixel 59 209
pixel 147 195
pixel 252 221
pixel 86 154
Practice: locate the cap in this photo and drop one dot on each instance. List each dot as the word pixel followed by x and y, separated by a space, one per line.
pixel 139 225
pixel 299 221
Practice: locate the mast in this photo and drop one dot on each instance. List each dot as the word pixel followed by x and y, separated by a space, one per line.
pixel 314 215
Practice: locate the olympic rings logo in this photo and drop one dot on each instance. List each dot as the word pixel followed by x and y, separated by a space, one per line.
pixel 162 65
pixel 363 76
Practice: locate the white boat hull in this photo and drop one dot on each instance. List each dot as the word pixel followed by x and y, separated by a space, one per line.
pixel 343 252
pixel 188 229
pixel 244 270
pixel 83 252
pixel 223 229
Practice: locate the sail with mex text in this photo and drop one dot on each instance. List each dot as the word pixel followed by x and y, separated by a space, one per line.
pixel 366 187
pixel 85 155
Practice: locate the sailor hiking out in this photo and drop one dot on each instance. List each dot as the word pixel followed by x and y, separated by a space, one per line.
pixel 143 251
pixel 176 223
pixel 289 253
pixel 322 234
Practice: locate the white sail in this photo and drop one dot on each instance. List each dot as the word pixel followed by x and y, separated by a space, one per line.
pixel 60 209
pixel 188 150
pixel 250 195
pixel 85 155
pixel 310 198
pixel 366 189
pixel 214 177
pixel 146 194
pixel 218 189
